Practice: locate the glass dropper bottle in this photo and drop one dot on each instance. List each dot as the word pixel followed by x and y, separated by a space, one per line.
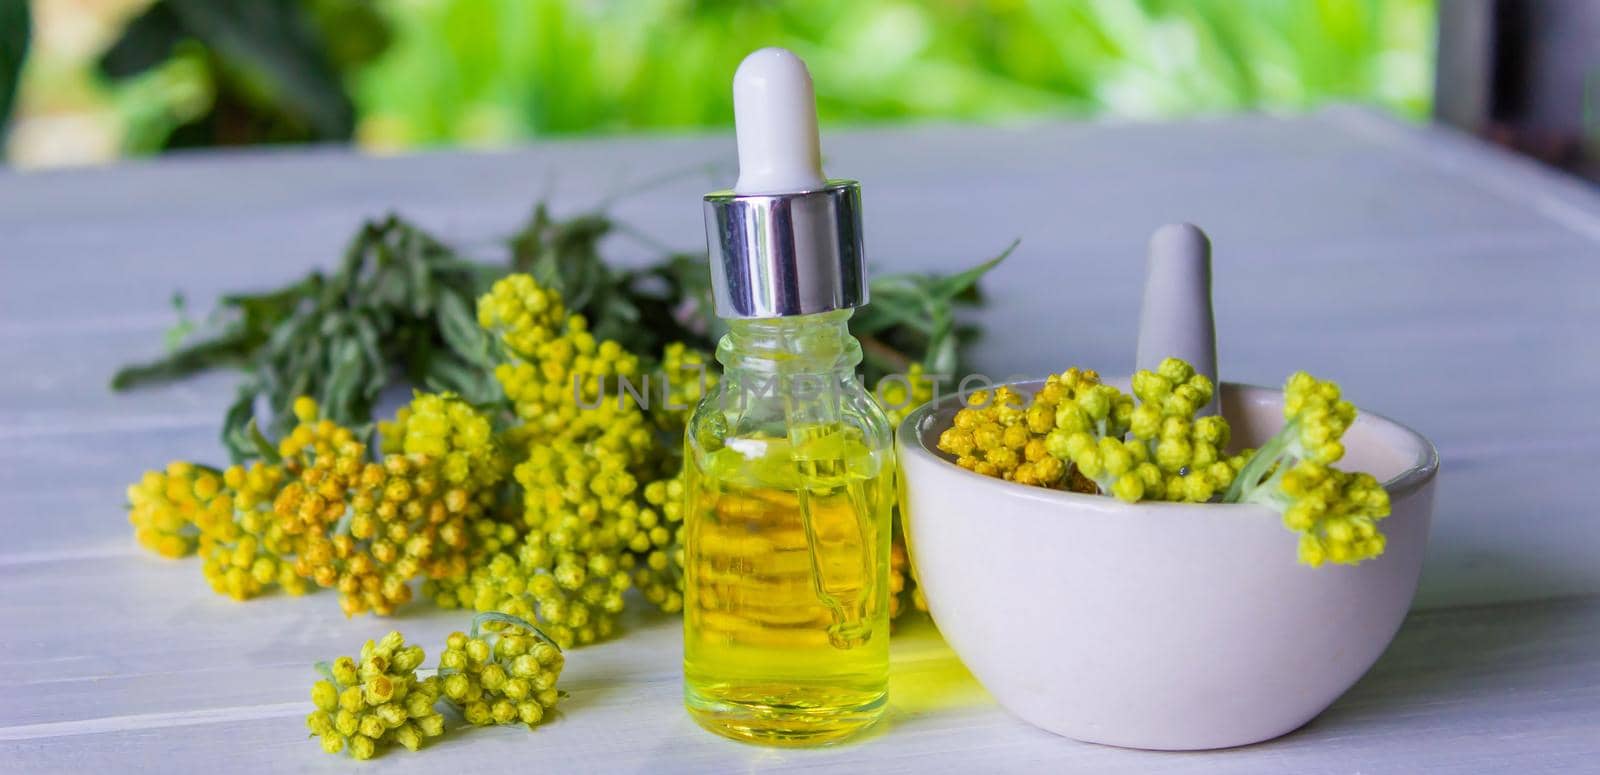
pixel 790 461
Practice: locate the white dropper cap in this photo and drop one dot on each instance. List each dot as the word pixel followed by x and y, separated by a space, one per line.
pixel 775 118
pixel 786 240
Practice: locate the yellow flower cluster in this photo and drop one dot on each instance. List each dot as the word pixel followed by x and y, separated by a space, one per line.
pixel 574 498
pixel 1072 433
pixel 162 506
pixel 1076 429
pixel 322 511
pixel 989 435
pixel 595 475
pixel 445 429
pixel 1319 415
pixel 504 677
pixel 655 544
pixel 243 549
pixel 1171 456
pixel 1001 434
pixel 561 380
pixel 901 396
pixel 687 375
pixel 226 514
pixel 525 315
pixel 368 528
pixel 366 704
pixel 1335 512
pixel 591 536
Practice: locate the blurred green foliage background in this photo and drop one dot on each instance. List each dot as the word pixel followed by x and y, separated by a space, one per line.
pixel 108 78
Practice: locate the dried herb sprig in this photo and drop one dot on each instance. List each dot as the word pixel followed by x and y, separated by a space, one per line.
pixel 399 310
pixel 399 306
pixel 914 312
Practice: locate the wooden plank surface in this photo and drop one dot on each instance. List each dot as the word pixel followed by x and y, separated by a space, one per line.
pixel 1446 285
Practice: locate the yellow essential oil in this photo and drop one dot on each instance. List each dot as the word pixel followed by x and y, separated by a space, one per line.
pixel 791 483
pixel 790 461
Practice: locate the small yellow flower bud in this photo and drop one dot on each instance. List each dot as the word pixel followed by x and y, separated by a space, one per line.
pixel 493 677
pixel 1128 487
pixel 431 725
pixel 1197 488
pixel 1089 461
pixel 392 715
pixel 503 712
pixel 419 704
pixel 408 659
pixel 1311 552
pixel 546 654
pixel 320 722
pixel 346 723
pixel 456 686
pixel 350 699
pixel 409 736
pixel 525 666
pixel 372 726
pixel 324 696
pixel 530 712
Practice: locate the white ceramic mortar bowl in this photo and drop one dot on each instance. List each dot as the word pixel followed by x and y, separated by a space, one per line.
pixel 1159 625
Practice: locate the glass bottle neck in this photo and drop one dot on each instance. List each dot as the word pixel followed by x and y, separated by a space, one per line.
pixel 803 344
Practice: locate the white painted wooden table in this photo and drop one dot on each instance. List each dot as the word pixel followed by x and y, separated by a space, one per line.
pixel 1443 283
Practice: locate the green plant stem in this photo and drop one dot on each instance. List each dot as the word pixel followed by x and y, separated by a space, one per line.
pixel 1259 463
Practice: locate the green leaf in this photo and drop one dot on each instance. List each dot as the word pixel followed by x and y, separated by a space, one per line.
pixel 15 26
pixel 942 355
pixel 232 347
pixel 460 330
pixel 446 373
pixel 418 272
pixel 952 286
pixel 236 423
pixel 899 310
pixel 344 392
pixel 263 447
pixel 377 367
pixel 181 329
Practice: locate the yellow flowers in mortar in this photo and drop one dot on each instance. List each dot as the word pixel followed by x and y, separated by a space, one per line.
pixel 1081 434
